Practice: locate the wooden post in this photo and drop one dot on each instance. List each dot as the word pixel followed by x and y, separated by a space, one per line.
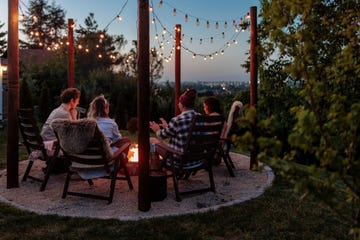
pixel 12 161
pixel 253 80
pixel 177 67
pixel 143 99
pixel 71 67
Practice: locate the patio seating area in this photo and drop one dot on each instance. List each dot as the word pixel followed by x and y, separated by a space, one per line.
pixel 244 186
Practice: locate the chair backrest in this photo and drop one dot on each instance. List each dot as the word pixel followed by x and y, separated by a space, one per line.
pixel 236 111
pixel 82 141
pixel 30 131
pixel 203 138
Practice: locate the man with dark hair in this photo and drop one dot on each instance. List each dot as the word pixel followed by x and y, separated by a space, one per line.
pixel 67 110
pixel 178 128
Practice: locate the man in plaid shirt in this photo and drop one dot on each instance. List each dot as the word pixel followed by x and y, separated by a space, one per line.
pixel 178 128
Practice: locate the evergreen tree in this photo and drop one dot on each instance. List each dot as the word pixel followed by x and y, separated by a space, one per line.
pixel 43 24
pixel 129 64
pixel 98 51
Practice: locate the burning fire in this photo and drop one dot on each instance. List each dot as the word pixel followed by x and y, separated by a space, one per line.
pixel 133 154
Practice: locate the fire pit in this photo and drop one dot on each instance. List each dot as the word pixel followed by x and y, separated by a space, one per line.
pixel 133 160
pixel 157 178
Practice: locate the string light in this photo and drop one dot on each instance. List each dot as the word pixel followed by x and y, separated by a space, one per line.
pixel 174 12
pixel 186 18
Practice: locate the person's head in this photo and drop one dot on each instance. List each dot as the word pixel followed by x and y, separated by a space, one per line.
pixel 212 105
pixel 70 96
pixel 99 107
pixel 187 99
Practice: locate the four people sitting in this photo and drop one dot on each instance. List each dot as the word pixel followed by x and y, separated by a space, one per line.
pixel 176 130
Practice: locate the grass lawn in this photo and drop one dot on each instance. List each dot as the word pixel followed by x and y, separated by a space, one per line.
pixel 277 214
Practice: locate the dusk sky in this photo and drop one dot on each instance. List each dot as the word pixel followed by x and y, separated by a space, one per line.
pixel 202 40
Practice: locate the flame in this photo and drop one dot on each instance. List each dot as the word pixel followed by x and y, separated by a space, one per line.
pixel 133 154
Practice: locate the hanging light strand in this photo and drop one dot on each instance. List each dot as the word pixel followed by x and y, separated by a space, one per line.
pixel 118 16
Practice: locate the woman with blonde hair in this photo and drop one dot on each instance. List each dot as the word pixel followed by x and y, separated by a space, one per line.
pixel 99 110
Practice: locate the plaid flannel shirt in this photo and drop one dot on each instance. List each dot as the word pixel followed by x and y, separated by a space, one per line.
pixel 178 130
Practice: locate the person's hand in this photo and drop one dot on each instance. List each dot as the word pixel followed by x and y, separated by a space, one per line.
pixel 154 126
pixel 163 123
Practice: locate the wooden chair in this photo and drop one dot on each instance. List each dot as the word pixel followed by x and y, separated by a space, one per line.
pixel 91 157
pixel 34 145
pixel 201 144
pixel 236 111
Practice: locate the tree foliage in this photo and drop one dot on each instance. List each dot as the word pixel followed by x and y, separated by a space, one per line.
pixel 43 24
pixel 309 108
pixel 97 50
pixel 129 64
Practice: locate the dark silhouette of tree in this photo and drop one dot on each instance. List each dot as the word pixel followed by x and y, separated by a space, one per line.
pixel 43 24
pixel 96 49
pixel 129 64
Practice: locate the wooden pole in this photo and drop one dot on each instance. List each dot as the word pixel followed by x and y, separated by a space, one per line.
pixel 177 67
pixel 71 67
pixel 143 99
pixel 12 161
pixel 253 79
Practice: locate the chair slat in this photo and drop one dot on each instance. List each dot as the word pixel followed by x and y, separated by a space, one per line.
pixel 201 144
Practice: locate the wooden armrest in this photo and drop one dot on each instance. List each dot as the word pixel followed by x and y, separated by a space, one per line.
pixel 122 149
pixel 164 147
